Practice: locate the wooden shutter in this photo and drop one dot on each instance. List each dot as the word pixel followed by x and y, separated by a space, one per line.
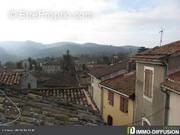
pixel 121 104
pixel 148 83
pixel 124 104
pixel 111 97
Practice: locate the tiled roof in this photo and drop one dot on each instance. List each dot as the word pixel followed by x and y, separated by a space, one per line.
pixel 10 78
pixel 74 95
pixel 56 80
pixel 38 111
pixel 99 72
pixel 124 84
pixel 160 52
pixel 173 82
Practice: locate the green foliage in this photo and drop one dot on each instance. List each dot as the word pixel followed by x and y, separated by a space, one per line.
pixel 142 49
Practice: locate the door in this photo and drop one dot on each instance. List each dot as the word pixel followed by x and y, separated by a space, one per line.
pixel 109 120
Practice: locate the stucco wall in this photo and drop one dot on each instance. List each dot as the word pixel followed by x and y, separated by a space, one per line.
pixel 174 64
pixel 153 111
pixel 96 91
pixel 51 68
pixel 29 79
pixel 119 118
pixel 174 109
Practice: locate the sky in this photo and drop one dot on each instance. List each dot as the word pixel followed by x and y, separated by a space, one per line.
pixel 110 22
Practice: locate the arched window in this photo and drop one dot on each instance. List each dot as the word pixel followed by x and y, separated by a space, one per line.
pixel 145 122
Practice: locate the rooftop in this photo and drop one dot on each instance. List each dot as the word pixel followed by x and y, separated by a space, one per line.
pixel 173 82
pixel 160 52
pixel 56 80
pixel 36 110
pixel 124 84
pixel 74 95
pixel 101 71
pixel 10 78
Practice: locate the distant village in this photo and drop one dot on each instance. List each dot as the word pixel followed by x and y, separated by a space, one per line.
pixel 139 89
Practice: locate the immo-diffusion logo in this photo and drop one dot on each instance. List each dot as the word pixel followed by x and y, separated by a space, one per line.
pixel 153 131
pixel 131 130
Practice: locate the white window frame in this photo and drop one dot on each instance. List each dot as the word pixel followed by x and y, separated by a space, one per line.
pixel 145 120
pixel 152 69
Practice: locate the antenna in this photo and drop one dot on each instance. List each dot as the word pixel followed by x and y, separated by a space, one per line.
pixel 161 32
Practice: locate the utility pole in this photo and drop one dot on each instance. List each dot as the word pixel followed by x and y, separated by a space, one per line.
pixel 161 32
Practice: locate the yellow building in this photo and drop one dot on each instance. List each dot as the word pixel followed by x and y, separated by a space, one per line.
pixel 118 96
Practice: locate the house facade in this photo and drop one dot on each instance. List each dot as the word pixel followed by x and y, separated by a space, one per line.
pixel 99 74
pixel 118 99
pixel 52 67
pixel 172 88
pixel 152 68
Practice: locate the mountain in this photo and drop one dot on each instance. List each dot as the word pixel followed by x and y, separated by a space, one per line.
pixel 4 56
pixel 15 50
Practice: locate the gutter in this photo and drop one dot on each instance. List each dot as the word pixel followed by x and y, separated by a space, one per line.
pixel 150 62
pixel 166 113
pixel 169 89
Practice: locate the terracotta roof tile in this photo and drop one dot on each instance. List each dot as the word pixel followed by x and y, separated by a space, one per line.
pixel 124 83
pixel 74 95
pixel 65 79
pixel 99 72
pixel 173 82
pixel 160 52
pixel 10 78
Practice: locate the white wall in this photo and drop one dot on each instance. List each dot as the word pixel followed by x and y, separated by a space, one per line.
pixel 29 79
pixel 96 92
pixel 51 68
pixel 174 109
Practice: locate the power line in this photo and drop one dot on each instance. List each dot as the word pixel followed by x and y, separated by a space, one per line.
pixel 19 112
pixel 152 114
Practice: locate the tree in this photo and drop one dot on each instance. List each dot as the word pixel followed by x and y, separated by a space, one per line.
pixel 142 49
pixel 32 63
pixel 68 64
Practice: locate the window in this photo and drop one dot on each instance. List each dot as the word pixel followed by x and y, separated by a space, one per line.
pixel 124 104
pixel 148 82
pixel 111 97
pixel 145 122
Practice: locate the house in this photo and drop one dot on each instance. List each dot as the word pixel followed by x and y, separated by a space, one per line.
pixel 26 65
pixel 118 99
pixel 17 80
pixel 99 74
pixel 52 67
pixel 152 68
pixel 171 87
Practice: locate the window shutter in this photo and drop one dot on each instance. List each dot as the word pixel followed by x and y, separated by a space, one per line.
pixel 126 105
pixel 148 83
pixel 123 104
pixel 111 98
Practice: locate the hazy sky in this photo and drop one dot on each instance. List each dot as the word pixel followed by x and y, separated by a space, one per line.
pixel 117 22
